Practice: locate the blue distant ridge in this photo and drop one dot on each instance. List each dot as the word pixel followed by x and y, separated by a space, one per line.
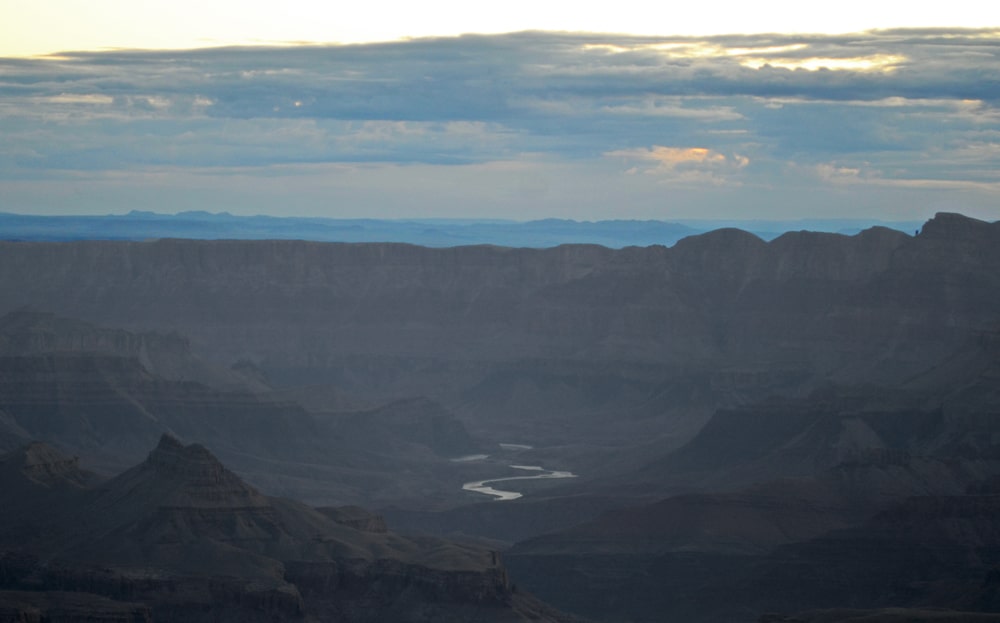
pixel 444 232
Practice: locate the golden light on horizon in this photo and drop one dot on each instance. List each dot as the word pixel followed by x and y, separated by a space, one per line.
pixel 876 62
pixel 29 27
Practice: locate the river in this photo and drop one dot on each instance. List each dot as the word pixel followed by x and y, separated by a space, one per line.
pixel 483 486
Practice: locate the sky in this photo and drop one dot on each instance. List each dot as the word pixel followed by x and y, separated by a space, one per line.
pixel 590 111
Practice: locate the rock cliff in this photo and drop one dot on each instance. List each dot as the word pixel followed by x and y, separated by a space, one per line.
pixel 289 302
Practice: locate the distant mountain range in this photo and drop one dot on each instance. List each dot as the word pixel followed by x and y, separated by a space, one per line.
pixel 137 225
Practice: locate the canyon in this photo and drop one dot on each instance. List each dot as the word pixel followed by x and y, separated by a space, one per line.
pixel 786 423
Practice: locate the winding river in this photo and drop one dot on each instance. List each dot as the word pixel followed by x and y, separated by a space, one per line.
pixel 483 486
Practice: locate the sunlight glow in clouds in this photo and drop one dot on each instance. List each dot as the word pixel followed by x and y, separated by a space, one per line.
pixel 875 63
pixel 756 57
pixel 685 165
pixel 31 27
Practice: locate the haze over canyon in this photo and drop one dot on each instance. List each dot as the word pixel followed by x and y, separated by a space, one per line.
pixel 794 427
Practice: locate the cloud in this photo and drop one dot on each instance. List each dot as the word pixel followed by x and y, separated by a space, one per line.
pixel 686 165
pixel 837 174
pixel 676 107
pixel 898 105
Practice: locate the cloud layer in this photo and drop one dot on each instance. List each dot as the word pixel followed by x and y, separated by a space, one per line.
pixel 902 122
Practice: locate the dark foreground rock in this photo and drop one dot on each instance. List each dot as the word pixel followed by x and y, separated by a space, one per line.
pixel 179 537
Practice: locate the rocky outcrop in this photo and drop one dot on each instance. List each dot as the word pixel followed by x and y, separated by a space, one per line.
pixel 43 465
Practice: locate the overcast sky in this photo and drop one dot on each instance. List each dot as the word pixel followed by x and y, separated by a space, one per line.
pixel 891 124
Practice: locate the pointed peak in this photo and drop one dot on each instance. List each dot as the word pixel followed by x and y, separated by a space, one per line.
pixel 169 442
pixel 195 477
pixel 171 453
